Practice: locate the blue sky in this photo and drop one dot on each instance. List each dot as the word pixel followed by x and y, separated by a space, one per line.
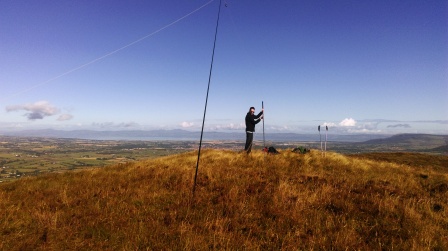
pixel 356 66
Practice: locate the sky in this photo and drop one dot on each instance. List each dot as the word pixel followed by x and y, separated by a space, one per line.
pixel 354 66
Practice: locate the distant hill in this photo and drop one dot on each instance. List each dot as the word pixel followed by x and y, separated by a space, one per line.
pixel 441 149
pixel 287 201
pixel 413 141
pixel 426 139
pixel 425 143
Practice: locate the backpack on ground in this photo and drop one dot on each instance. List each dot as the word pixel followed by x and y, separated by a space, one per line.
pixel 270 150
pixel 301 150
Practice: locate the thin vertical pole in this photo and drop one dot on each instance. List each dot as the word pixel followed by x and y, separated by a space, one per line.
pixel 320 138
pixel 206 99
pixel 326 132
pixel 264 142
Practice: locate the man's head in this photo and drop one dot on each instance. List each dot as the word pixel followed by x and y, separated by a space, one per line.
pixel 252 110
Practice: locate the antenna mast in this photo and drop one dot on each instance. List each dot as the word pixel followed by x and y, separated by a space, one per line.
pixel 206 99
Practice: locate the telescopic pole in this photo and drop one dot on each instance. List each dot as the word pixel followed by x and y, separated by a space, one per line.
pixel 320 138
pixel 264 142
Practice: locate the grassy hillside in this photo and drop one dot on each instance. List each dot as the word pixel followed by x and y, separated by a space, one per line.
pixel 257 202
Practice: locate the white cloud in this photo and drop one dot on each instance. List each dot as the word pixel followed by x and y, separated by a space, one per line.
pixel 186 124
pixel 329 124
pixel 278 128
pixel 233 126
pixel 64 117
pixel 129 124
pixel 348 122
pixel 106 125
pixel 103 125
pixel 38 110
pixel 225 127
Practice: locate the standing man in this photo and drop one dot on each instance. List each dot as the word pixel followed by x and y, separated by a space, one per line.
pixel 251 121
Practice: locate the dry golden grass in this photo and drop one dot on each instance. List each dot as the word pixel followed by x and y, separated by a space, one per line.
pixel 256 202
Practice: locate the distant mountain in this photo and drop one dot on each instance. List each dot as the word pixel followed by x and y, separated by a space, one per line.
pixel 415 141
pixel 178 134
pixel 412 139
pixel 441 149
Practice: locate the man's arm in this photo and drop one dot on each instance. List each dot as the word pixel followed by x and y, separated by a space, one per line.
pixel 258 118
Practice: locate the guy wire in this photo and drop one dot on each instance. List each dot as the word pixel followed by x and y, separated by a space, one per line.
pixel 106 55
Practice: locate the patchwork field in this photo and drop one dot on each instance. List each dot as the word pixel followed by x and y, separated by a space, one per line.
pixel 32 156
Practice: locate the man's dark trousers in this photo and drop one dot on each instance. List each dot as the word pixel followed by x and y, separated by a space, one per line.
pixel 249 139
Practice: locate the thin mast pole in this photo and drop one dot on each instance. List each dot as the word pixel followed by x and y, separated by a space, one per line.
pixel 320 138
pixel 206 99
pixel 326 132
pixel 264 142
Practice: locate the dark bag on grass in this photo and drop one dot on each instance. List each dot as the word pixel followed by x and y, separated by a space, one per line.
pixel 301 150
pixel 271 150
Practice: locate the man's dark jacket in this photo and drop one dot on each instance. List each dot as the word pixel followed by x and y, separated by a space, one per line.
pixel 252 120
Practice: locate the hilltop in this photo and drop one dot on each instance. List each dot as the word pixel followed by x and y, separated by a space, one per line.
pixel 258 202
